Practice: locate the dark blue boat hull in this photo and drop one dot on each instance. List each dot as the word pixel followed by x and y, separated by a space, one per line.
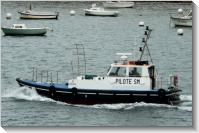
pixel 61 92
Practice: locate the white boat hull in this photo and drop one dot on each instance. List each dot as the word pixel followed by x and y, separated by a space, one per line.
pixel 101 13
pixel 27 31
pixel 118 4
pixel 38 15
pixel 181 22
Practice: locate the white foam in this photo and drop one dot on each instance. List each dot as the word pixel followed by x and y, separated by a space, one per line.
pixel 114 106
pixel 186 98
pixel 126 106
pixel 26 93
pixel 186 108
pixel 130 106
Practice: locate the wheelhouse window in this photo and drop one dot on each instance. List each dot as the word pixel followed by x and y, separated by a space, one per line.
pixel 135 72
pixel 118 71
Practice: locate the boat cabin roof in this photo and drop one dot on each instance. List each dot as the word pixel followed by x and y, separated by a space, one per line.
pixel 18 26
pixel 131 64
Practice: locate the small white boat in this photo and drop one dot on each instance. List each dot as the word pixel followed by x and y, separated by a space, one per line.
pixel 21 29
pixel 38 15
pixel 182 19
pixel 99 11
pixel 29 14
pixel 119 4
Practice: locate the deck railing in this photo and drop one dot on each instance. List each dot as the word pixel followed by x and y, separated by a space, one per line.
pixel 45 75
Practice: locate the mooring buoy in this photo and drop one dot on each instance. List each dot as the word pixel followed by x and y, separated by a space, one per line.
pixel 72 12
pixel 141 23
pixel 180 31
pixel 8 16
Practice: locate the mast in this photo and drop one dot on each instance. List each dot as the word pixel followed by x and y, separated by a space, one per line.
pixel 30 7
pixel 147 34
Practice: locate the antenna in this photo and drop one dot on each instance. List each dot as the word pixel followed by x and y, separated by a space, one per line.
pixel 72 69
pixel 123 53
pixel 30 7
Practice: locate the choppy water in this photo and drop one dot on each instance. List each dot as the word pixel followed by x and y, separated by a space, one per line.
pixel 102 38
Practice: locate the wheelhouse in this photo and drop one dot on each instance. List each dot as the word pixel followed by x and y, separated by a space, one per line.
pixel 133 69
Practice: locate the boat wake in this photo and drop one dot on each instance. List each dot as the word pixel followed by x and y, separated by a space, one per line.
pixel 26 93
pixel 131 106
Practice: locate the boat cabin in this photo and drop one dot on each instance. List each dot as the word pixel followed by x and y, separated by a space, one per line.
pixel 129 69
pixel 19 26
pixel 95 7
pixel 125 75
pixel 133 69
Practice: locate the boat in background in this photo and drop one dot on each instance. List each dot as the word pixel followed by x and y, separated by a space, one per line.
pixel 126 81
pixel 21 29
pixel 118 4
pixel 182 19
pixel 99 11
pixel 29 14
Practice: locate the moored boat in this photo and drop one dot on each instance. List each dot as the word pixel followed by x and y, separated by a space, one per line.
pixel 21 29
pixel 38 15
pixel 118 4
pixel 30 14
pixel 182 19
pixel 99 11
pixel 126 81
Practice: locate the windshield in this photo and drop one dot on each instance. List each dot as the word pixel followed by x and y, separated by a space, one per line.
pixel 118 71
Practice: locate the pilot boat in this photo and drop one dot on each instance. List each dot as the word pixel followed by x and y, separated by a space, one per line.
pixel 182 19
pixel 21 29
pixel 99 11
pixel 127 81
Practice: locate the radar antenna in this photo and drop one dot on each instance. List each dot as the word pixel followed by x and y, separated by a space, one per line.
pixel 124 57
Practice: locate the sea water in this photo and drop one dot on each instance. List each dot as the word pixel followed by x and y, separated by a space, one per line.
pixel 102 37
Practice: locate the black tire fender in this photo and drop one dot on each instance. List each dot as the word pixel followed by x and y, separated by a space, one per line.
pixel 161 93
pixel 52 90
pixel 74 91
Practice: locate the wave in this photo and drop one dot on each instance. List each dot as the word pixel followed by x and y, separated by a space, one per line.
pixel 186 98
pixel 26 93
pixel 130 106
pixel 127 106
pixel 186 105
